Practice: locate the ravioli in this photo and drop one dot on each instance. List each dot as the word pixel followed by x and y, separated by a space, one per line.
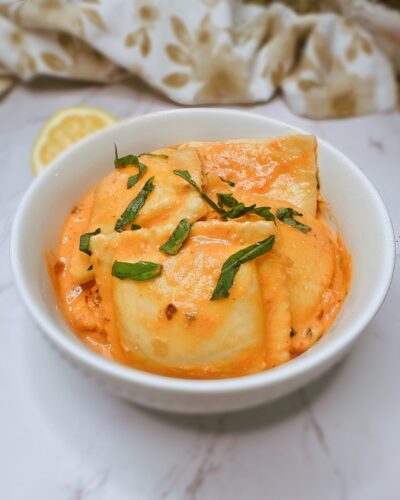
pixel 307 265
pixel 276 306
pixel 283 169
pixel 171 200
pixel 310 270
pixel 279 303
pixel 201 336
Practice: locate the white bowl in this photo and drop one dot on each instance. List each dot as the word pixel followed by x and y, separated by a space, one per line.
pixel 361 215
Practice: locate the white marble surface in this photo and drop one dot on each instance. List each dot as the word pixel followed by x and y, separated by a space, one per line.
pixel 62 437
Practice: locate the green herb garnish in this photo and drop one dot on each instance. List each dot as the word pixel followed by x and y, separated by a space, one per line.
pixel 264 212
pixel 232 264
pixel 238 209
pixel 132 180
pixel 132 210
pixel 84 241
pixel 227 200
pixel 142 168
pixel 127 160
pixel 185 174
pixel 124 161
pixel 135 227
pixel 230 183
pixel 286 215
pixel 177 238
pixel 138 271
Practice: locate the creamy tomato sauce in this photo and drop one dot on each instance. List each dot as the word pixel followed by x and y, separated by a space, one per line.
pixel 299 293
pixel 81 303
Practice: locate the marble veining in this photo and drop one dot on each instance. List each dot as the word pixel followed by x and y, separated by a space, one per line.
pixel 62 437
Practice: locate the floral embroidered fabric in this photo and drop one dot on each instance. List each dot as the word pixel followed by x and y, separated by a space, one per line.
pixel 201 51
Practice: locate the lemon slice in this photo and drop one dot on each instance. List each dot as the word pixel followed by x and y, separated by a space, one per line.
pixel 64 128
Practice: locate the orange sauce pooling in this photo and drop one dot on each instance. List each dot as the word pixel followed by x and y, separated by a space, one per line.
pixel 81 303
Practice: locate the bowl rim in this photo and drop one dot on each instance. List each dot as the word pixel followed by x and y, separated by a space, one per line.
pixel 284 372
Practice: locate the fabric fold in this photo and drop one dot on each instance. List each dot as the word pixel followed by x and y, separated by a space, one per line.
pixel 202 52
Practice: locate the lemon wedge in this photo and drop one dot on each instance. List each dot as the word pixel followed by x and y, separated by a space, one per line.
pixel 66 127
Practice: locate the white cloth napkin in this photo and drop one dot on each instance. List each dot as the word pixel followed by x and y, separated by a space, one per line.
pixel 201 51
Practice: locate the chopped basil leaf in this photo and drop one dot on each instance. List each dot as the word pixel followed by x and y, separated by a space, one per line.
pixel 142 168
pixel 238 209
pixel 138 271
pixel 132 210
pixel 127 160
pixel 232 264
pixel 177 238
pixel 154 155
pixel 230 183
pixel 132 180
pixel 124 161
pixel 135 227
pixel 227 200
pixel 286 215
pixel 264 212
pixel 185 174
pixel 84 241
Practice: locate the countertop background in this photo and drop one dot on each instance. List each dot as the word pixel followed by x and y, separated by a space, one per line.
pixel 63 438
